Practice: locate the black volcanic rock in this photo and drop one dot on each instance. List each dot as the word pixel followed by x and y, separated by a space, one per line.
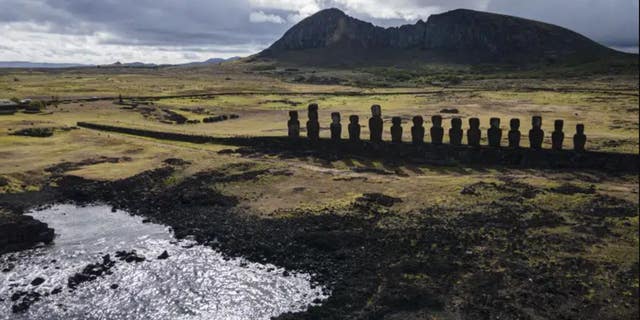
pixel 20 231
pixel 463 36
pixel 331 28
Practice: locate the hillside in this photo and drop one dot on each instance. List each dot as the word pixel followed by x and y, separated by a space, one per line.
pixel 332 38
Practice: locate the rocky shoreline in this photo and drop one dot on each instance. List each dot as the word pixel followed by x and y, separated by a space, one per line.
pixel 18 232
pixel 454 262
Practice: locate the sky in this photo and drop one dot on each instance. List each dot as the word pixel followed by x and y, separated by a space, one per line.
pixel 178 31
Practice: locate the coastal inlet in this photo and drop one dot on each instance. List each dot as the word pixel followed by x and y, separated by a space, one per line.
pixel 107 264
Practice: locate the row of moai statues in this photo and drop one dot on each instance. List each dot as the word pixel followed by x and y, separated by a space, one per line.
pixel 474 134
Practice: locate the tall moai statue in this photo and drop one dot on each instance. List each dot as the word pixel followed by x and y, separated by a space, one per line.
pixel 579 139
pixel 536 134
pixel 437 132
pixel 354 128
pixel 336 126
pixel 455 133
pixel 494 133
pixel 417 131
pixel 313 126
pixel 294 125
pixel 557 136
pixel 396 130
pixel 474 134
pixel 514 133
pixel 375 123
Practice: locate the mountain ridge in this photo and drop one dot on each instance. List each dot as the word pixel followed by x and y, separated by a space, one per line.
pixel 457 36
pixel 53 65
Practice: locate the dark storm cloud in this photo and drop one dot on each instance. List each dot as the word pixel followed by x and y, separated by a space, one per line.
pixel 166 22
pixel 112 27
pixel 144 22
pixel 611 22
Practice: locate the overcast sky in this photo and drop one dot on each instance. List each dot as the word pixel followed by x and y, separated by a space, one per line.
pixel 176 31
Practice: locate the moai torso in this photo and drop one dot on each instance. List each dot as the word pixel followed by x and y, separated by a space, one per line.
pixel 536 135
pixel 396 129
pixel 455 132
pixel 557 136
pixel 437 132
pixel 514 133
pixel 494 133
pixel 474 133
pixel 375 124
pixel 417 131
pixel 579 139
pixel 293 124
pixel 313 126
pixel 354 128
pixel 336 126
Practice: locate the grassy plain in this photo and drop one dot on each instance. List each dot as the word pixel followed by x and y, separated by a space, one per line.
pixel 607 105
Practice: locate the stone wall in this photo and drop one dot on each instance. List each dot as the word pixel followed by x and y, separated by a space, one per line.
pixel 429 153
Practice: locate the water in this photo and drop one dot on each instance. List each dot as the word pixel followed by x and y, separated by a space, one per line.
pixel 195 282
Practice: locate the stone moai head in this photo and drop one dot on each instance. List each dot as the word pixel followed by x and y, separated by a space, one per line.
pixel 474 123
pixel 515 124
pixel 536 121
pixel 456 123
pixel 354 119
pixel 437 121
pixel 313 111
pixel 495 123
pixel 335 117
pixel 558 125
pixel 396 121
pixel 293 115
pixel 580 128
pixel 418 121
pixel 376 110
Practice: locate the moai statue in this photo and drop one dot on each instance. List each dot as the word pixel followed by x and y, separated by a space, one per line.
pixel 579 139
pixel 557 136
pixel 474 133
pixel 417 131
pixel 437 132
pixel 455 133
pixel 396 129
pixel 536 135
pixel 336 126
pixel 313 126
pixel 514 133
pixel 120 99
pixel 494 133
pixel 354 128
pixel 375 124
pixel 294 125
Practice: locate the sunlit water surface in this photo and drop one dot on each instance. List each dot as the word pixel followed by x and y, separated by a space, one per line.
pixel 195 282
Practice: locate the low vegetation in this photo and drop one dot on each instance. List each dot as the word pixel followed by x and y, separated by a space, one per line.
pixel 391 238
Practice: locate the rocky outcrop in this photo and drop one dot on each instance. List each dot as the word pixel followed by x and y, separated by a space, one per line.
pixel 20 231
pixel 460 35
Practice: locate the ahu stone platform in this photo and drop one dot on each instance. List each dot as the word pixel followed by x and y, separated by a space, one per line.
pixel 419 153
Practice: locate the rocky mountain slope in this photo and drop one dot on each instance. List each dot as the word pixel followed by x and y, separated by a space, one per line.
pixel 459 36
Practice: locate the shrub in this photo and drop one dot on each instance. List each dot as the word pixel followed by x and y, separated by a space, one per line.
pixel 35 132
pixel 35 106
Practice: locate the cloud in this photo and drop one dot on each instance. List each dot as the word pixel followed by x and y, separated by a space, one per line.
pixel 173 31
pixel 261 17
pixel 611 22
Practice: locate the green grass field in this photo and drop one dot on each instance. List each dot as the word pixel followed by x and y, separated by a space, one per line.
pixel 607 105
